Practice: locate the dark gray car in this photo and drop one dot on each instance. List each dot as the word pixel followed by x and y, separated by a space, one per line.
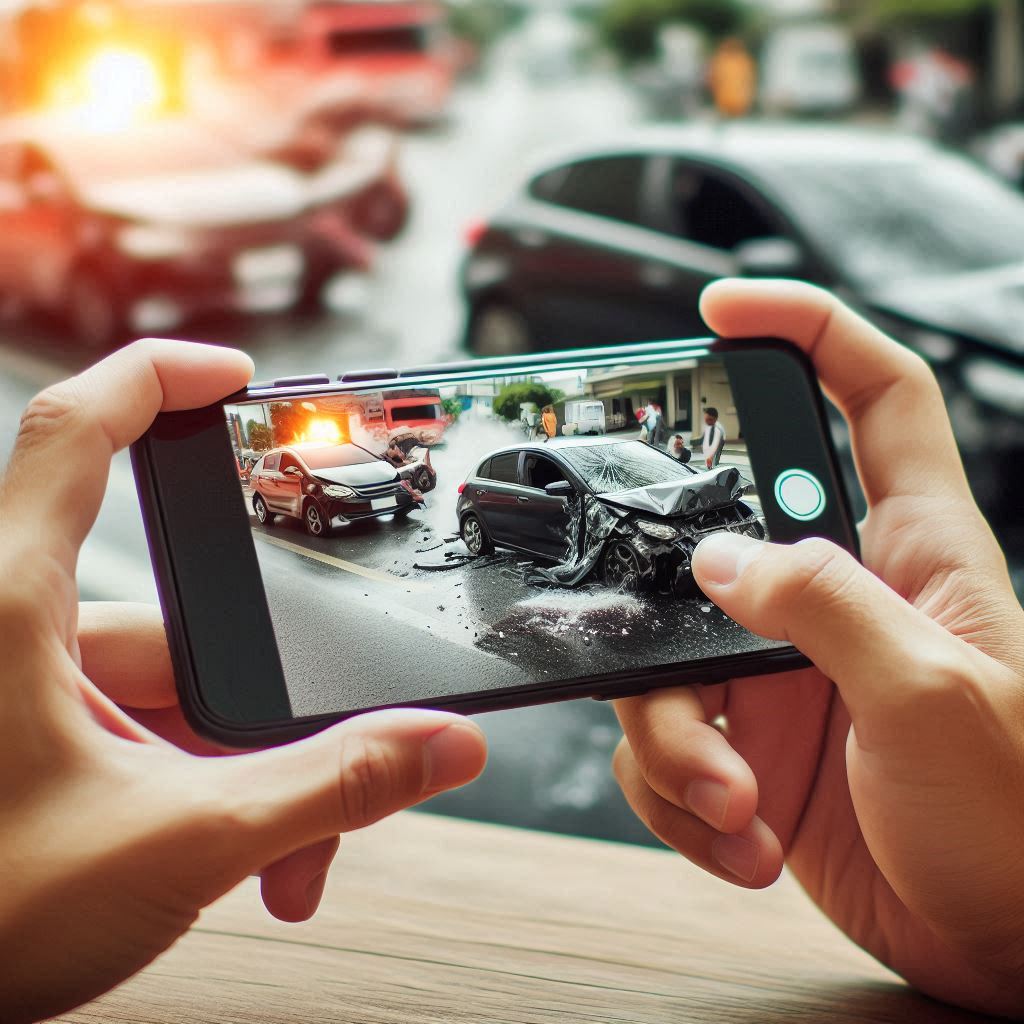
pixel 617 508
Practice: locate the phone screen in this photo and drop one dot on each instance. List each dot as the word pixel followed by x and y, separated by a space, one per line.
pixel 437 538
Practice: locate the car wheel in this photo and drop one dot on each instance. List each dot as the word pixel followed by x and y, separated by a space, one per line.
pixel 499 330
pixel 313 517
pixel 621 568
pixel 259 506
pixel 92 310
pixel 474 536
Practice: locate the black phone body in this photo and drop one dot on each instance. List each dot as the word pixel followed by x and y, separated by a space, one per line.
pixel 465 560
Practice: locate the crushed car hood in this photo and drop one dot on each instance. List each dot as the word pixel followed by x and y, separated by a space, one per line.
pixel 363 475
pixel 711 489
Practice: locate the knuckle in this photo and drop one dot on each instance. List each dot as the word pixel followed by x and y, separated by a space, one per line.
pixel 819 572
pixel 51 411
pixel 370 780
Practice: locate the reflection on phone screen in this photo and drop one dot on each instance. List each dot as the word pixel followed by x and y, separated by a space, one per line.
pixel 422 542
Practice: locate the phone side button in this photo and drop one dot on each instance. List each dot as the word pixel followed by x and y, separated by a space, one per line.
pixel 359 376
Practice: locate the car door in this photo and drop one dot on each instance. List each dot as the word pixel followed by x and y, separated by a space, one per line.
pixel 603 267
pixel 290 482
pixel 546 520
pixel 268 482
pixel 497 498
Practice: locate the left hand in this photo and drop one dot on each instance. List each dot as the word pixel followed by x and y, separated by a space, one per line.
pixel 112 838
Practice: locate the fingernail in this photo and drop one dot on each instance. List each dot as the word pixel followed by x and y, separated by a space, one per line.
pixel 452 756
pixel 722 557
pixel 738 856
pixel 314 892
pixel 708 800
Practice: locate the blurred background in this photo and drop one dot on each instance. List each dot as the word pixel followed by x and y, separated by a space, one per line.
pixel 336 184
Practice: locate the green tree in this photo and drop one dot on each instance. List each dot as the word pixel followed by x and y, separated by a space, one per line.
pixel 452 407
pixel 630 27
pixel 260 437
pixel 511 396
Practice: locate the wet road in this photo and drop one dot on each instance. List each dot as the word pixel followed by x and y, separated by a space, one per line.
pixel 452 624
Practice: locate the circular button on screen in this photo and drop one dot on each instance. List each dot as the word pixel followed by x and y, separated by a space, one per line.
pixel 799 494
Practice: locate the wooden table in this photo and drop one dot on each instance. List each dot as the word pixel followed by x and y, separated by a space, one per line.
pixel 434 919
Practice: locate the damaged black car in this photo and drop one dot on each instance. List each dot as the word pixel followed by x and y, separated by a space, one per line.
pixel 617 509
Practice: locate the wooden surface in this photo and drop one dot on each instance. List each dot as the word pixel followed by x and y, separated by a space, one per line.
pixel 433 919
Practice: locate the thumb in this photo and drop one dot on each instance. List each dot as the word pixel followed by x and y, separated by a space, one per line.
pixel 872 643
pixel 346 777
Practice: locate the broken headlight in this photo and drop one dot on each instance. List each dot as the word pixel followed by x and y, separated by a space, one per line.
pixel 338 491
pixel 657 530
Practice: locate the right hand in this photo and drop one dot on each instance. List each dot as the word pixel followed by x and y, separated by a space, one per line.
pixel 891 777
pixel 113 839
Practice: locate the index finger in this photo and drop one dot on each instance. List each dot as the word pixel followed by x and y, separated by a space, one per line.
pixel 902 439
pixel 58 470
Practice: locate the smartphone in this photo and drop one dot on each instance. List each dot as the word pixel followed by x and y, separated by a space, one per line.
pixel 477 535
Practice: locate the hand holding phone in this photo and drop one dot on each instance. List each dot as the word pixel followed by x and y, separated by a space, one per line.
pixel 114 839
pixel 893 794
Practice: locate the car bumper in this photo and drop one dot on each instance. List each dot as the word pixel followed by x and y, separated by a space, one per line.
pixel 347 511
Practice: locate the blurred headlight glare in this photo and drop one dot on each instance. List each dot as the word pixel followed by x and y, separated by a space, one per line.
pixel 153 242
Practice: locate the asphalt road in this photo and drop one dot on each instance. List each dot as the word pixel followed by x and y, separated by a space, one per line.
pixel 450 624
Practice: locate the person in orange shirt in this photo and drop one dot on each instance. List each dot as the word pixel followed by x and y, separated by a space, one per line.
pixel 550 422
pixel 732 78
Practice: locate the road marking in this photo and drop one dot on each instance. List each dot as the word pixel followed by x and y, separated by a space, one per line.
pixel 341 563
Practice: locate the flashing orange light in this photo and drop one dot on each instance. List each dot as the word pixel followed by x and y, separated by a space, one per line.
pixel 118 88
pixel 321 431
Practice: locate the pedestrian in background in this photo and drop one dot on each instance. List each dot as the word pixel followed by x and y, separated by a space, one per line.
pixel 678 449
pixel 714 438
pixel 732 78
pixel 550 422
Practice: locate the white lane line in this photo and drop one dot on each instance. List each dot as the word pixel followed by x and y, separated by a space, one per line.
pixel 341 563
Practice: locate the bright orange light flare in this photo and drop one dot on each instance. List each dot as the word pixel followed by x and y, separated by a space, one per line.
pixel 119 87
pixel 321 431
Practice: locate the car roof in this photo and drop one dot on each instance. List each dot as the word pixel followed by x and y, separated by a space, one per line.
pixel 750 144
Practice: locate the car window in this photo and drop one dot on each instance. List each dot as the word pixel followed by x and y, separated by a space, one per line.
pixel 504 468
pixel 257 466
pixel 707 208
pixel 605 186
pixel 287 461
pixel 540 471
pixel 485 469
pixel 271 462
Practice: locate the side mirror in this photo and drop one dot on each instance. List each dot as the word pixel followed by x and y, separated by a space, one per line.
pixel 769 257
pixel 560 489
pixel 293 471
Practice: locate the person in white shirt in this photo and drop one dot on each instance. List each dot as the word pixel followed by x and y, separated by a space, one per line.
pixel 714 438
pixel 651 423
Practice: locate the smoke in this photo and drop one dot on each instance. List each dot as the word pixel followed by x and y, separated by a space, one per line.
pixel 466 443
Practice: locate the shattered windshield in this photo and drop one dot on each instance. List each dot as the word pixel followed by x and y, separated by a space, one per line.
pixel 608 468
